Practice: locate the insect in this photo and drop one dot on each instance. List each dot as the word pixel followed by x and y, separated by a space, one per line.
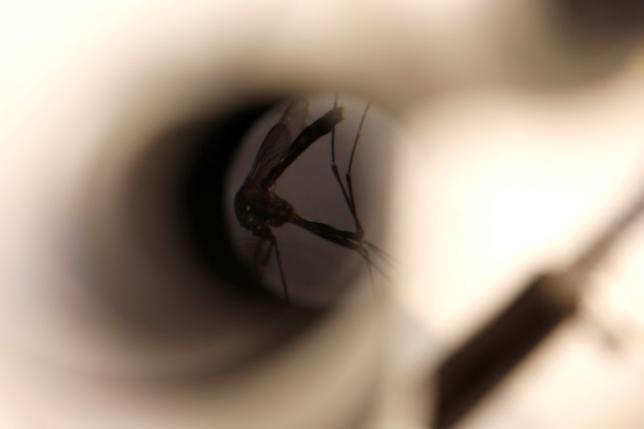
pixel 259 209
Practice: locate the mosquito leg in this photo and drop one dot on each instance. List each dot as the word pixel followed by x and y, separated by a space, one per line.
pixel 334 165
pixel 378 251
pixel 258 253
pixel 268 253
pixel 351 197
pixel 274 245
pixel 261 260
pixel 347 239
pixel 362 250
pixel 350 240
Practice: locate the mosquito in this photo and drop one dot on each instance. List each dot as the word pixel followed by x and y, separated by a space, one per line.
pixel 259 208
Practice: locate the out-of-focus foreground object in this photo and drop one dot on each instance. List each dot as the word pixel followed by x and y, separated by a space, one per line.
pixel 473 370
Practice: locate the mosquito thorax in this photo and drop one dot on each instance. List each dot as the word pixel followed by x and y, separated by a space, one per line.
pixel 257 208
pixel 281 211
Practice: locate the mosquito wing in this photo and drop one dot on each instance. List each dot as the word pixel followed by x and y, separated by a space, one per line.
pixel 277 142
pixel 309 135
